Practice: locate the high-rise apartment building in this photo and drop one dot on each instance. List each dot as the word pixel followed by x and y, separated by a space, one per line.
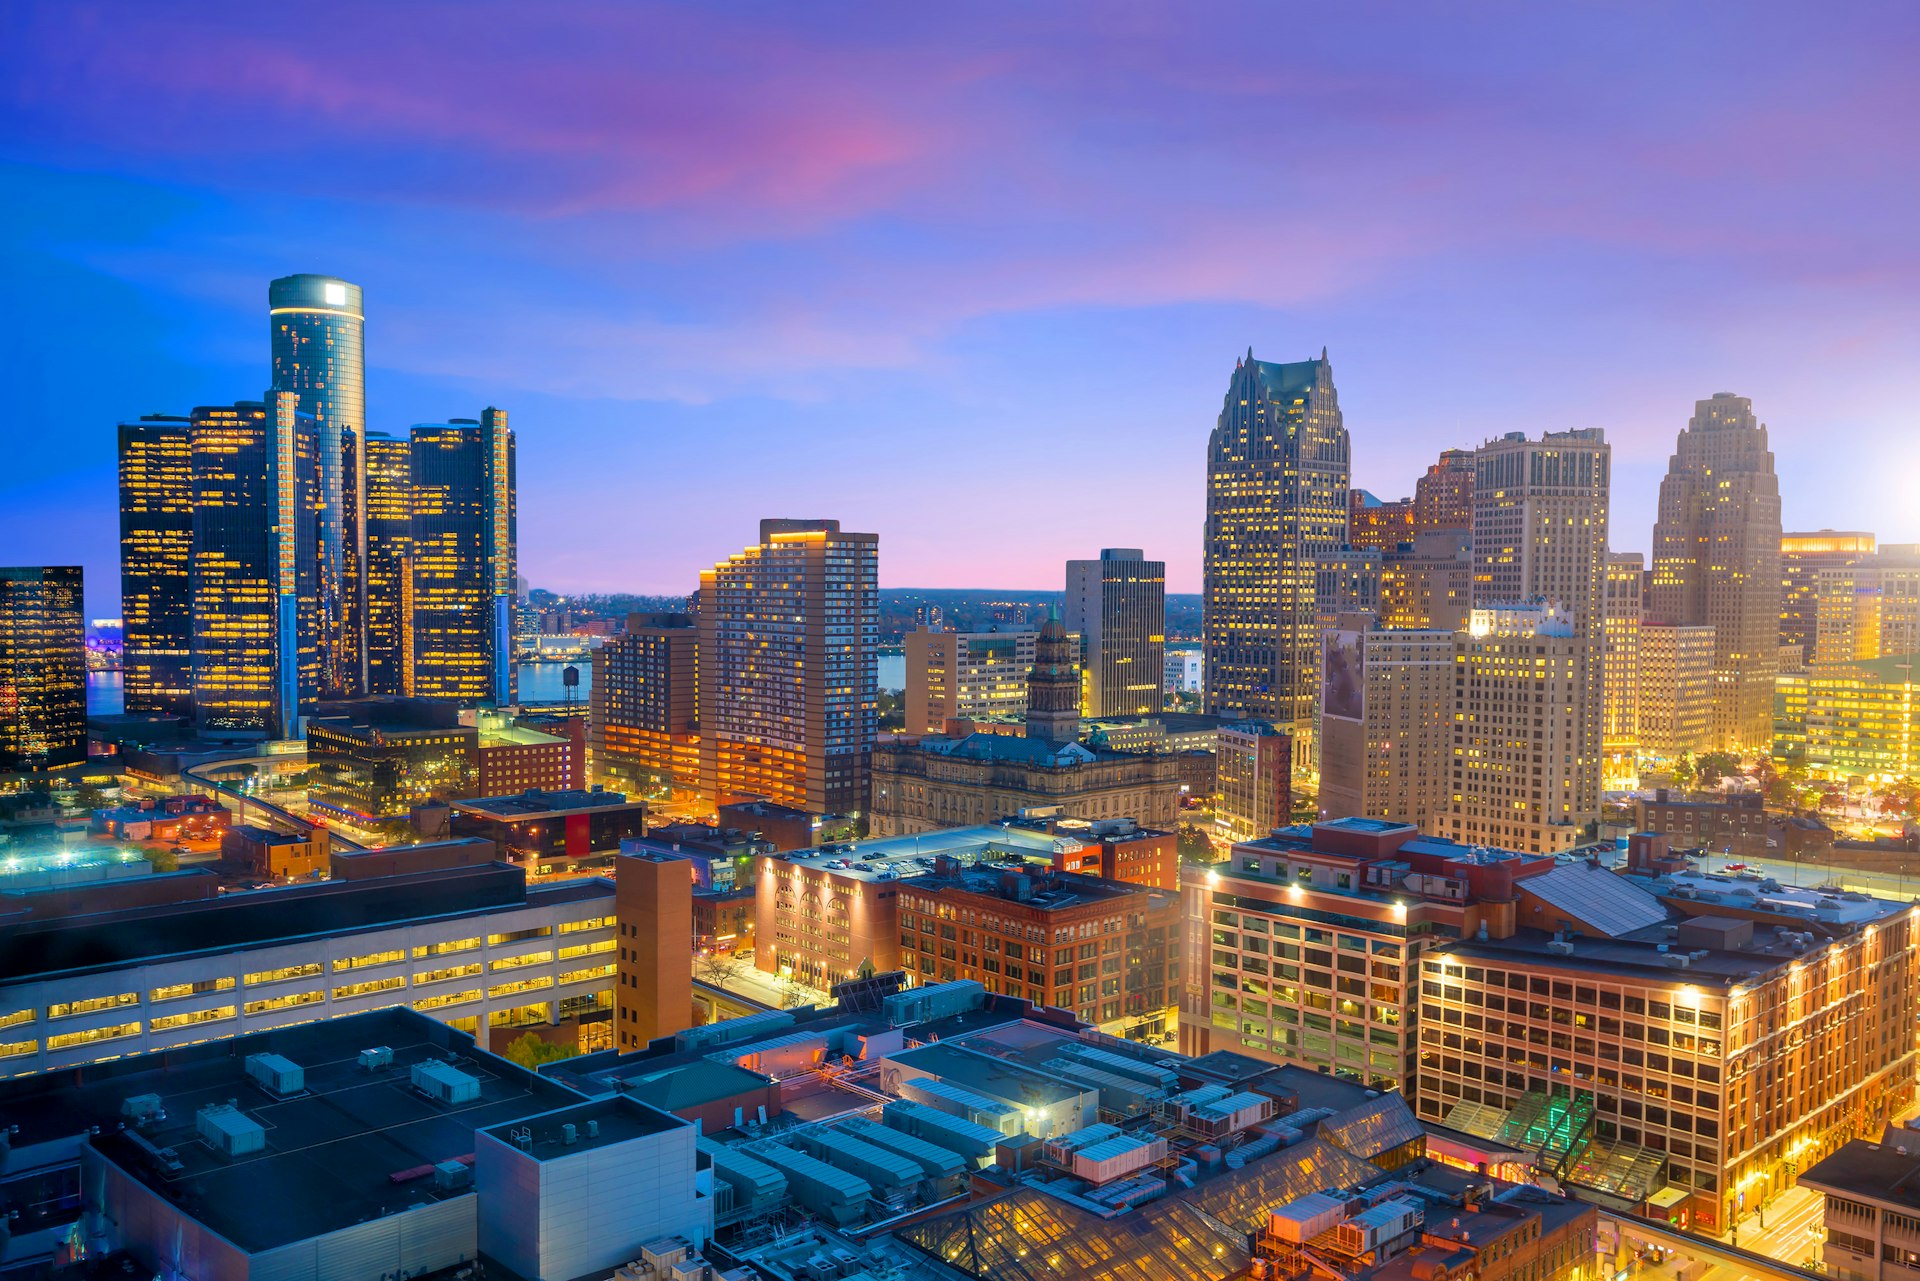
pixel 1378 523
pixel 1117 605
pixel 156 550
pixel 1675 706
pixel 319 354
pixel 1519 777
pixel 966 676
pixel 1620 669
pixel 643 707
pixel 1716 561
pixel 255 616
pixel 1429 582
pixel 1443 497
pixel 1802 557
pixel 788 703
pixel 43 668
pixel 1277 495
pixel 1540 535
pixel 463 545
pixel 389 563
pixel 1386 715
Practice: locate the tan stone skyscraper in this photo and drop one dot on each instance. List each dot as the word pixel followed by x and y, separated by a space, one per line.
pixel 1540 537
pixel 1716 561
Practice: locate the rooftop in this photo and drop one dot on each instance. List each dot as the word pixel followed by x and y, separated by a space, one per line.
pixel 1016 749
pixel 596 1123
pixel 899 857
pixel 535 803
pixel 1826 905
pixel 331 1150
pixel 1888 1171
pixel 1007 1078
pixel 274 917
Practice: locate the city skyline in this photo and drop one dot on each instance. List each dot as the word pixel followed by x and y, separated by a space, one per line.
pixel 1485 215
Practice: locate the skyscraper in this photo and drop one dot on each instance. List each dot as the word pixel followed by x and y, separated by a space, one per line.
pixel 319 354
pixel 643 732
pixel 1620 669
pixel 1675 713
pixel 1386 717
pixel 1521 778
pixel 1540 537
pixel 1378 523
pixel 1802 558
pixel 252 597
pixel 389 563
pixel 965 675
pixel 1277 482
pixel 788 704
pixel 1443 498
pixel 463 544
pixel 1716 561
pixel 1118 607
pixel 156 548
pixel 43 668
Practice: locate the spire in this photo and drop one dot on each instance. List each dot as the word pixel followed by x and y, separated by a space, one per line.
pixel 1323 353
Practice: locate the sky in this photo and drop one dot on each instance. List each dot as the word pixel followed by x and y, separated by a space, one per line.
pixel 972 276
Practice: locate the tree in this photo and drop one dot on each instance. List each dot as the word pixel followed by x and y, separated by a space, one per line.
pixel 162 858
pixel 88 797
pixel 717 967
pixel 531 1050
pixel 1194 845
pixel 1714 766
pixel 1683 771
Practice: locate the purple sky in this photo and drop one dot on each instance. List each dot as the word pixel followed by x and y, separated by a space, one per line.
pixel 973 276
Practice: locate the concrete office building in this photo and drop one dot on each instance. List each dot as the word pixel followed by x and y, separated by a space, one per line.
pixel 43 668
pixel 317 325
pixel 1852 718
pixel 1802 557
pixel 1117 606
pixel 1540 534
pixel 1428 583
pixel 788 704
pixel 1386 721
pixel 1520 779
pixel 552 832
pixel 1868 608
pixel 1870 1208
pixel 643 708
pixel 1716 561
pixel 381 1144
pixel 1186 671
pixel 475 947
pixel 1277 494
pixel 966 676
pixel 1620 669
pixel 156 553
pixel 1675 713
pixel 1253 780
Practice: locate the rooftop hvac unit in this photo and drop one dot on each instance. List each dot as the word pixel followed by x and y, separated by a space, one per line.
pixel 143 1109
pixel 376 1057
pixel 662 1253
pixel 444 1083
pixel 276 1073
pixel 450 1176
pixel 229 1131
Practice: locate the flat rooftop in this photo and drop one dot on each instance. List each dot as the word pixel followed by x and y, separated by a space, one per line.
pixel 596 1124
pixel 893 858
pixel 1749 891
pixel 274 917
pixel 330 1150
pixel 1888 1171
pixel 1006 1078
pixel 533 803
pixel 1636 957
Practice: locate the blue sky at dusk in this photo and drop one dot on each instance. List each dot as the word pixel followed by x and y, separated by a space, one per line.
pixel 973 276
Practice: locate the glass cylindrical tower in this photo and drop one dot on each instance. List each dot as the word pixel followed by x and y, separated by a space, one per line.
pixel 319 354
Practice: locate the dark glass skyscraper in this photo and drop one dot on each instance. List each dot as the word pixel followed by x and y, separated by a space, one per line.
pixel 156 546
pixel 463 546
pixel 1277 482
pixel 43 668
pixel 254 603
pixel 319 354
pixel 389 563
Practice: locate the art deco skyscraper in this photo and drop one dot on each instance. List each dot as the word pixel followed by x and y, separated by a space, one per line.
pixel 253 602
pixel 43 668
pixel 319 354
pixel 156 547
pixel 788 704
pixel 463 545
pixel 1716 561
pixel 1277 482
pixel 1540 536
pixel 1117 605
